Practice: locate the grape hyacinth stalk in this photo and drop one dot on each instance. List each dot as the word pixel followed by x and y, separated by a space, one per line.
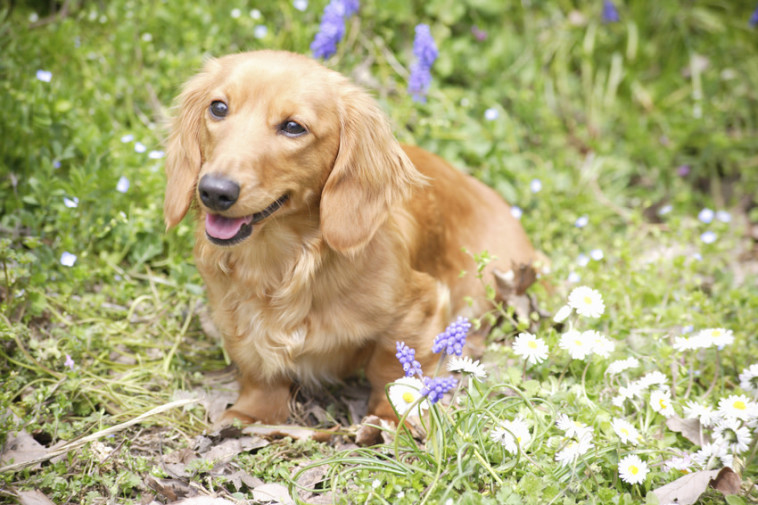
pixel 332 27
pixel 452 340
pixel 407 357
pixel 425 51
pixel 610 13
pixel 435 388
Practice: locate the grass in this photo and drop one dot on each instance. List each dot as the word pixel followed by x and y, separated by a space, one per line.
pixel 605 115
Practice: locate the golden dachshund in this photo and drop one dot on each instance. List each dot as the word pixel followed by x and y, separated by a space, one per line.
pixel 323 241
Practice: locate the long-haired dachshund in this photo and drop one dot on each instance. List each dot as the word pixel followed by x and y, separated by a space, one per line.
pixel 323 241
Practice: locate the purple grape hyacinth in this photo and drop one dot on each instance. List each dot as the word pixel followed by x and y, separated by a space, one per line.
pixel 451 340
pixel 332 27
pixel 753 22
pixel 436 388
pixel 425 50
pixel 407 357
pixel 610 13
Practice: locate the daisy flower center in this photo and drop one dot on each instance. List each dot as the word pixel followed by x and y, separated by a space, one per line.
pixel 739 405
pixel 624 431
pixel 532 344
pixel 408 397
pixel 662 403
pixel 587 300
pixel 633 469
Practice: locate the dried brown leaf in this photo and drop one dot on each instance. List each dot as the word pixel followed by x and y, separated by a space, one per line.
pixel 204 500
pixel 686 490
pixel 33 498
pixel 20 448
pixel 171 489
pixel 689 428
pixel 274 494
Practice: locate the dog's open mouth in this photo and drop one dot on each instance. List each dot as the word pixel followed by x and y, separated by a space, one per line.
pixel 223 230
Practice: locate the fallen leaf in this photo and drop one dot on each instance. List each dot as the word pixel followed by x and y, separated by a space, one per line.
pixel 689 428
pixel 226 450
pixel 727 481
pixel 274 494
pixel 239 478
pixel 204 500
pixel 686 490
pixel 21 447
pixel 33 498
pixel 171 489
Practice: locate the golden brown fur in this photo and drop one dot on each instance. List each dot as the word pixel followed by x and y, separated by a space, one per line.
pixel 366 251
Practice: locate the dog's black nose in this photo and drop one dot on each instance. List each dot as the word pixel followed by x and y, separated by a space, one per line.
pixel 218 193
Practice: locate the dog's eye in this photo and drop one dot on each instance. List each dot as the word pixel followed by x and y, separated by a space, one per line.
pixel 292 129
pixel 218 109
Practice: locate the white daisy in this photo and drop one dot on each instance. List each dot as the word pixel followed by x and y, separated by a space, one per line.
pixel 733 434
pixel 706 415
pixel 573 449
pixel 626 431
pixel 512 435
pixel 404 393
pixel 576 344
pixel 599 343
pixel 619 366
pixel 737 406
pixel 464 364
pixel 632 469
pixel 660 401
pixel 654 378
pixel 718 337
pixel 573 428
pixel 682 463
pixel 532 349
pixel 588 302
pixel 749 379
pixel 562 314
pixel 708 454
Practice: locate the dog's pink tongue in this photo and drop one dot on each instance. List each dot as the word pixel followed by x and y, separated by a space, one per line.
pixel 224 228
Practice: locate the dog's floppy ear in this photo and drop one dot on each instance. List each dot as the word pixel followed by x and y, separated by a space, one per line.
pixel 183 151
pixel 371 173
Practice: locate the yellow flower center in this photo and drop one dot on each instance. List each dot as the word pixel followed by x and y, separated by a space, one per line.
pixel 662 403
pixel 739 405
pixel 716 333
pixel 408 397
pixel 624 431
pixel 633 470
pixel 532 344
pixel 587 300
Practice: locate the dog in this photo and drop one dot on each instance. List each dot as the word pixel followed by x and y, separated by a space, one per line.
pixel 321 240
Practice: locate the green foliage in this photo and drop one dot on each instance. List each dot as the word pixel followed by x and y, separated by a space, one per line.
pixel 604 115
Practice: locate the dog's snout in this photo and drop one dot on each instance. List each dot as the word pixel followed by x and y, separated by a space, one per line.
pixel 217 192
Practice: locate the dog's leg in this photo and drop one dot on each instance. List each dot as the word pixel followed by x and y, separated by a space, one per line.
pixel 427 311
pixel 259 401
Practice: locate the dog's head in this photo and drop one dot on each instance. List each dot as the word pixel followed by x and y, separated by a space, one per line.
pixel 263 135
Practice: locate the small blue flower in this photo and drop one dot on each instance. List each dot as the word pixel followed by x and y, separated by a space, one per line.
pixel 581 221
pixel 582 260
pixel 610 13
pixel 574 277
pixel 708 237
pixel 71 203
pixel 260 31
pixel 754 18
pixel 139 147
pixel 156 155
pixel 407 357
pixel 332 27
pixel 724 216
pixel 425 50
pixel 68 259
pixel 706 215
pixel 300 5
pixel 57 164
pixel 44 75
pixel 69 362
pixel 127 138
pixel 123 185
pixel 491 114
pixel 436 388
pixel 665 210
pixel 535 185
pixel 596 254
pixel 451 340
pixel 516 212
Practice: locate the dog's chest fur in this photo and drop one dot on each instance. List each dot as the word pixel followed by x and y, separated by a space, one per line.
pixel 289 307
